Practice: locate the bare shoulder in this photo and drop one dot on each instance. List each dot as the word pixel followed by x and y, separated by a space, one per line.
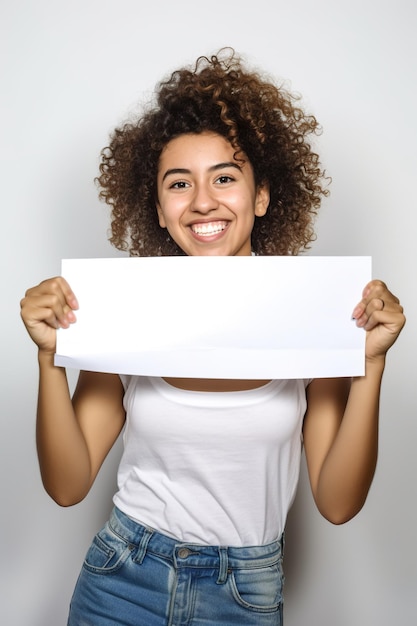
pixel 99 383
pixel 330 392
pixel 326 402
pixel 98 405
pixel 99 394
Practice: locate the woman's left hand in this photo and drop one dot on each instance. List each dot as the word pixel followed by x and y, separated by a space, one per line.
pixel 381 315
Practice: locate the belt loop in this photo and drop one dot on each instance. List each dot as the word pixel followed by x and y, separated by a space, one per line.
pixel 143 544
pixel 223 566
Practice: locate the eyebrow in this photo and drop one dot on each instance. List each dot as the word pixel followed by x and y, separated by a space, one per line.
pixel 213 168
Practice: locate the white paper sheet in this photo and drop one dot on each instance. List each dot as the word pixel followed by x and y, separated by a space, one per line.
pixel 216 317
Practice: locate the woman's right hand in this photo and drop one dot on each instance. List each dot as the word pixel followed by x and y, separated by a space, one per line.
pixel 47 307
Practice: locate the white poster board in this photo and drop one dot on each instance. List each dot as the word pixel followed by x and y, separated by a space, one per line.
pixel 216 317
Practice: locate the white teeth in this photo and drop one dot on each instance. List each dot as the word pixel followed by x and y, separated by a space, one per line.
pixel 208 229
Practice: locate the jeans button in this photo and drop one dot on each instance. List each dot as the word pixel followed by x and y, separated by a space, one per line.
pixel 184 552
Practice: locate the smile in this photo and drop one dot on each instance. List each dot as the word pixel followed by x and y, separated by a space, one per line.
pixel 209 228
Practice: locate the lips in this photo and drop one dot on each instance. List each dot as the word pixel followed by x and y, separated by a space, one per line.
pixel 207 229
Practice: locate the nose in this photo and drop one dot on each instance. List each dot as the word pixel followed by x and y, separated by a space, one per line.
pixel 204 200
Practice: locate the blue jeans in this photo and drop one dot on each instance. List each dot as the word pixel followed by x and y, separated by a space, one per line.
pixel 135 576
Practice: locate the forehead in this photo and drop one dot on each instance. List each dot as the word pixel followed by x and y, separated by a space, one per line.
pixel 189 149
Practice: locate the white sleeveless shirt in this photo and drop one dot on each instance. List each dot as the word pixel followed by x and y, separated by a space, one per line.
pixel 217 468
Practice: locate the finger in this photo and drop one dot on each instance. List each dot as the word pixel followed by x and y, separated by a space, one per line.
pixel 69 294
pixel 378 312
pixel 378 289
pixel 38 310
pixel 52 301
pixel 368 309
pixel 59 286
pixel 391 320
pixel 50 309
pixel 375 296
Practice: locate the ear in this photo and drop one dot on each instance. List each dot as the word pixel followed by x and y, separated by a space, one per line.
pixel 262 200
pixel 161 217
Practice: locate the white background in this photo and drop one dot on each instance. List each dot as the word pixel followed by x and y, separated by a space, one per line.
pixel 70 73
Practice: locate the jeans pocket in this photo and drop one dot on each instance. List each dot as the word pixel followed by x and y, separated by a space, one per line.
pixel 107 553
pixel 259 590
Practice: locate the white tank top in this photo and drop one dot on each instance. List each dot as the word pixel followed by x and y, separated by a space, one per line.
pixel 216 468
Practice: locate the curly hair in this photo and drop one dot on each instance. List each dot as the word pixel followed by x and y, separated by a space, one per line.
pixel 260 120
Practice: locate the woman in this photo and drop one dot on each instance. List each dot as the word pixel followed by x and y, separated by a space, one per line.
pixel 219 164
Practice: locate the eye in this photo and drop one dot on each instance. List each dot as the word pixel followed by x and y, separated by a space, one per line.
pixel 180 184
pixel 224 178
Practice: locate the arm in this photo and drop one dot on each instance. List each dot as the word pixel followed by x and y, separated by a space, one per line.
pixel 341 423
pixel 73 436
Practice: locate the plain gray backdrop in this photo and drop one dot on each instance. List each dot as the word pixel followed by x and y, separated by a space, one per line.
pixel 69 73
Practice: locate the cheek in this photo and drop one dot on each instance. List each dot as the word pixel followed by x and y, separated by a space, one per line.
pixel 174 209
pixel 243 206
pixel 243 199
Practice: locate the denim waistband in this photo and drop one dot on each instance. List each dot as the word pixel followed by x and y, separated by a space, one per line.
pixel 191 554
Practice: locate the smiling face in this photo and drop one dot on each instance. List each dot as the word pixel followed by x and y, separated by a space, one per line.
pixel 206 199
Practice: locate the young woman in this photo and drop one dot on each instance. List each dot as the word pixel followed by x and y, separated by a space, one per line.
pixel 219 164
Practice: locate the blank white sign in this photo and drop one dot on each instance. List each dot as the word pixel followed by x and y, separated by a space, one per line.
pixel 216 317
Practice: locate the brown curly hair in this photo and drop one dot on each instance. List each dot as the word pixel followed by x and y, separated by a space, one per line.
pixel 259 118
